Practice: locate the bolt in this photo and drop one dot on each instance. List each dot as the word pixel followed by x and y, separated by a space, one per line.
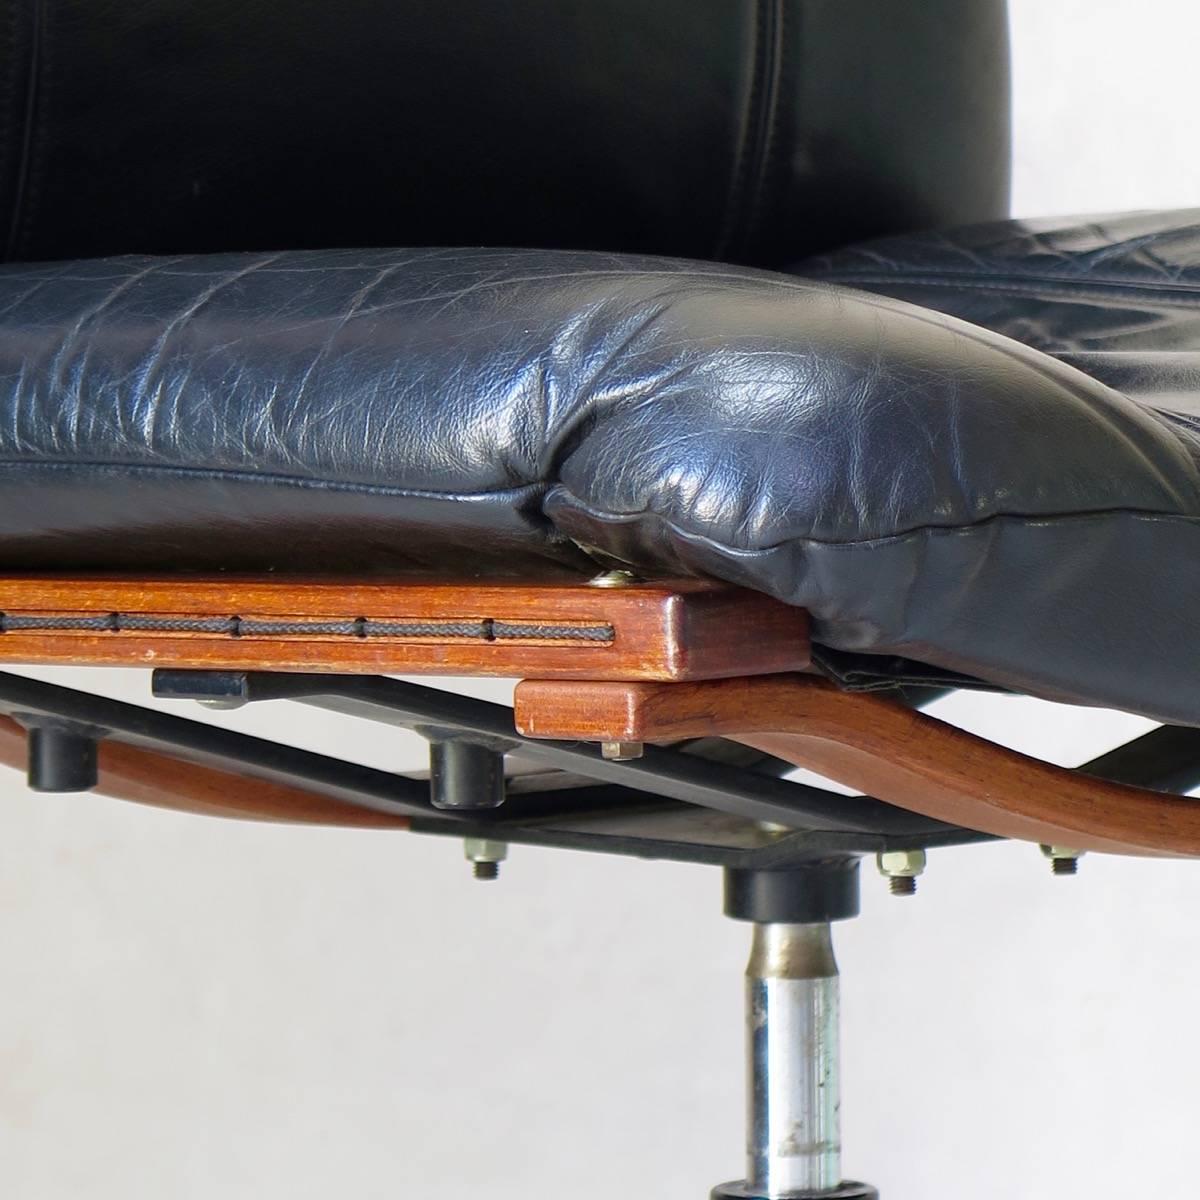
pixel 901 868
pixel 613 579
pixel 1063 859
pixel 621 751
pixel 485 856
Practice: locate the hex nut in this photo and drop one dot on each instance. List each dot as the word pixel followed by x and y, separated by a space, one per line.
pixel 1053 852
pixel 901 864
pixel 484 850
pixel 621 751
pixel 1064 860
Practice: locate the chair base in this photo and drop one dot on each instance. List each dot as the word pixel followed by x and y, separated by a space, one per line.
pixel 880 747
pixel 847 1191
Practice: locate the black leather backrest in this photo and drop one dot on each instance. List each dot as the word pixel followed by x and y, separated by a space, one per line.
pixel 753 130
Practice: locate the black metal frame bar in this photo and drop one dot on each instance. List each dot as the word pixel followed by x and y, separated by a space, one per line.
pixel 674 803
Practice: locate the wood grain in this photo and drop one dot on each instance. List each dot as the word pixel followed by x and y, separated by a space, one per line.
pixel 161 781
pixel 679 630
pixel 877 747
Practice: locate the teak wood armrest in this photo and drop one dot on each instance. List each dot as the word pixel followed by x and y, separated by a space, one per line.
pixel 878 747
pixel 687 629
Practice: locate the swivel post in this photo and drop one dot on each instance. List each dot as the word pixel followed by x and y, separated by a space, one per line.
pixel 793 1084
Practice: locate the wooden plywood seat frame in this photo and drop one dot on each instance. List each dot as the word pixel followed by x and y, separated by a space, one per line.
pixel 615 662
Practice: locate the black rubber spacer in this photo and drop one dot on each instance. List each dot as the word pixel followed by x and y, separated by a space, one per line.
pixel 808 893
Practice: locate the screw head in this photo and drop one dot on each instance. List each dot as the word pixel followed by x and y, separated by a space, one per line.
pixel 613 579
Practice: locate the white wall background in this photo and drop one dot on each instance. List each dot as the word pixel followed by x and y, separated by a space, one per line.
pixel 196 1009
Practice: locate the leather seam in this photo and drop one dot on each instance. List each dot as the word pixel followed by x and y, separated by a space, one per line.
pixel 610 518
pixel 8 103
pixel 765 143
pixel 915 531
pixel 270 479
pixel 905 270
pixel 560 490
pixel 1183 296
pixel 21 188
pixel 741 156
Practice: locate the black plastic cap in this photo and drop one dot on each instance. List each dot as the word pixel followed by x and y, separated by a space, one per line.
pixel 61 759
pixel 465 775
pixel 812 893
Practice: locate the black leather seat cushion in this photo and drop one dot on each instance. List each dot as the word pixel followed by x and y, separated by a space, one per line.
pixel 926 488
pixel 1116 296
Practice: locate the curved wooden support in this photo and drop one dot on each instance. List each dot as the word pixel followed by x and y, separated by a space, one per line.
pixel 161 781
pixel 878 747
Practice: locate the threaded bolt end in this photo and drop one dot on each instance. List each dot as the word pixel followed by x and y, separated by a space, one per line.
pixel 1064 866
pixel 486 870
pixel 903 885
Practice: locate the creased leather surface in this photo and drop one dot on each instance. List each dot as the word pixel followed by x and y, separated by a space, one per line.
pixel 927 488
pixel 1116 295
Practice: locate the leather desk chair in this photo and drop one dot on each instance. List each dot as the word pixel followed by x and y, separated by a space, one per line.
pixel 675 358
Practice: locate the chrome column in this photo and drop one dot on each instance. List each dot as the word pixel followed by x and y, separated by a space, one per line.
pixel 793 1138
